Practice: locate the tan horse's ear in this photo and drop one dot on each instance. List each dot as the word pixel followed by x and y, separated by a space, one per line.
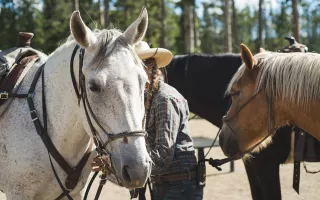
pixel 247 57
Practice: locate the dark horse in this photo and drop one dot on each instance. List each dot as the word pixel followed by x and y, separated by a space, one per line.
pixel 202 80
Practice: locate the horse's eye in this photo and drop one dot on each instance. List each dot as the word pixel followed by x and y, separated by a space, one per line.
pixel 94 86
pixel 235 94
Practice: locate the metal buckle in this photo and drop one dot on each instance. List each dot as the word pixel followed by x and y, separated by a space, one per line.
pixel 4 95
pixel 34 115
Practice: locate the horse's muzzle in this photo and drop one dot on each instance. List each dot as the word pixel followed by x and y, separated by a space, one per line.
pixel 228 141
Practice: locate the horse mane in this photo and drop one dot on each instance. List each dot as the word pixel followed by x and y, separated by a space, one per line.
pixel 105 38
pixel 294 76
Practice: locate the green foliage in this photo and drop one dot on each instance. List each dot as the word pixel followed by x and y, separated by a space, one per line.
pixel 49 21
pixel 8 14
pixel 56 14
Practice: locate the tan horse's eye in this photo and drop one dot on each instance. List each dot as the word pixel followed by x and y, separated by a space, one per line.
pixel 235 94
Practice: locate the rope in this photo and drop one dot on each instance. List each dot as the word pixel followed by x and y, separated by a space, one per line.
pixel 310 172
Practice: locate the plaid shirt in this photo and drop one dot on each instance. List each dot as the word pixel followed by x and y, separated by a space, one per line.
pixel 170 145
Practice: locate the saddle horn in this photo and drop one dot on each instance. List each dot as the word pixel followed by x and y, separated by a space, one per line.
pixel 24 39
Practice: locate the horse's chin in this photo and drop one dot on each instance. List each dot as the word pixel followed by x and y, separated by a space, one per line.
pixel 228 143
pixel 133 176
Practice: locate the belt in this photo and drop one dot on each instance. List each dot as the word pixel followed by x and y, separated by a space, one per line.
pixel 175 177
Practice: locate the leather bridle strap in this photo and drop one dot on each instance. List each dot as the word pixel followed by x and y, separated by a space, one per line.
pixel 91 117
pixel 82 94
pixel 271 128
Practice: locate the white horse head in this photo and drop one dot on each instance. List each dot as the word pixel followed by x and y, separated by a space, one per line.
pixel 115 82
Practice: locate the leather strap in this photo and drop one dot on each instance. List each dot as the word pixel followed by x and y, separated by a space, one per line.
pixel 8 83
pixel 175 177
pixel 296 176
pixel 103 180
pixel 298 156
pixel 73 173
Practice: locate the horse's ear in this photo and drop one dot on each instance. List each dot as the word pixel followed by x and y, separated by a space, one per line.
pixel 82 34
pixel 136 31
pixel 247 57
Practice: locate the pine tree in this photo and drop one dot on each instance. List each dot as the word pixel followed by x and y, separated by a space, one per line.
pixel 8 29
pixel 56 14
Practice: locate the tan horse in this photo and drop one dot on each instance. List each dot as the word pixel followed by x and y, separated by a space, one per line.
pixel 269 90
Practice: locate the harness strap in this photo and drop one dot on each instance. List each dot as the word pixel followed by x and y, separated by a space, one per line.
pixel 103 180
pixel 73 78
pixel 8 83
pixel 42 132
pixel 73 173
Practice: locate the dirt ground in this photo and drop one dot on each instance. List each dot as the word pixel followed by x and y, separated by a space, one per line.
pixel 229 186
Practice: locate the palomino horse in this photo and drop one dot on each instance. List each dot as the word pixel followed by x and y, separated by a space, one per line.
pixel 112 81
pixel 270 90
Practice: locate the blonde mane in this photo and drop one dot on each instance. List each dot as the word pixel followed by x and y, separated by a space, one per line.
pixel 294 76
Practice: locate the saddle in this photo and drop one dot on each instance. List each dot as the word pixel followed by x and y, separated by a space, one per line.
pixel 293 46
pixel 14 65
pixel 306 147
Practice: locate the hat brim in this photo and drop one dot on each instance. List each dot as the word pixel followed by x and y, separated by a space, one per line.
pixel 162 56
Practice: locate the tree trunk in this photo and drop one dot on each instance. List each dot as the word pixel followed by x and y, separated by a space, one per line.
pixel 163 24
pixel 188 26
pixel 106 13
pixel 195 29
pixel 260 29
pixel 234 24
pixel 101 11
pixel 295 20
pixel 227 25
pixel 75 4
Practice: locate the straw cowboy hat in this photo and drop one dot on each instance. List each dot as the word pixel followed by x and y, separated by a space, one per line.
pixel 162 56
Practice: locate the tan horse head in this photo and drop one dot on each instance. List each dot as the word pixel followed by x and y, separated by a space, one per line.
pixel 269 90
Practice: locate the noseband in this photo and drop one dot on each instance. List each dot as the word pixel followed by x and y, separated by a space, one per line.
pixel 82 95
pixel 271 127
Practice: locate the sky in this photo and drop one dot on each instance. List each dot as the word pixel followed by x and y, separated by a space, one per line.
pixel 240 4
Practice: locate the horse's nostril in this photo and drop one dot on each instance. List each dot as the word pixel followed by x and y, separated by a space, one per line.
pixel 125 173
pixel 94 86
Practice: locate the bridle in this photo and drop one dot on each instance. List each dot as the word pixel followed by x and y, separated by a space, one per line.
pixel 73 173
pixel 271 126
pixel 81 94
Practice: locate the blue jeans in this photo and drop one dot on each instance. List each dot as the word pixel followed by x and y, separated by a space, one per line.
pixel 179 190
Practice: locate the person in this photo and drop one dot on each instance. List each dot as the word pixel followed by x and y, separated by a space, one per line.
pixel 173 174
pixel 174 170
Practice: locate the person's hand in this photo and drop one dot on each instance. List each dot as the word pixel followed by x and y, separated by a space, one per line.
pixel 99 162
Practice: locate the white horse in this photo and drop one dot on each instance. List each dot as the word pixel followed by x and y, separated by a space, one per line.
pixel 114 82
